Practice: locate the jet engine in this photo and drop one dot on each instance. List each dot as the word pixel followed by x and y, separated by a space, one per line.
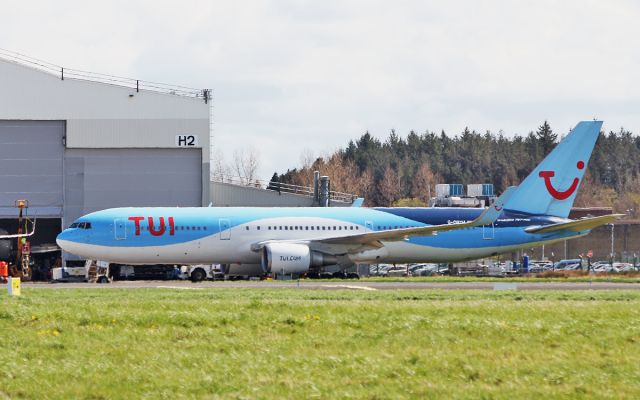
pixel 292 258
pixel 6 247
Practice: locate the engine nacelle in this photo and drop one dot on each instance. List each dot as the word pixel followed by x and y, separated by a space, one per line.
pixel 292 258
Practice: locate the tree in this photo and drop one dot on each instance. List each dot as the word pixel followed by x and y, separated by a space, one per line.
pixel 274 182
pixel 424 183
pixel 546 137
pixel 389 187
pixel 245 164
pixel 405 168
pixel 409 202
pixel 219 168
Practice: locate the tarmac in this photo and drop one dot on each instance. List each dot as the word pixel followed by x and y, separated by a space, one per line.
pixel 339 285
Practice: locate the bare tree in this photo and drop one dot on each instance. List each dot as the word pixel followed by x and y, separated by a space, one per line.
pixel 424 183
pixel 245 164
pixel 390 187
pixel 220 170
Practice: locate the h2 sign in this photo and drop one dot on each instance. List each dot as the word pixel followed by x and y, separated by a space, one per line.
pixel 187 141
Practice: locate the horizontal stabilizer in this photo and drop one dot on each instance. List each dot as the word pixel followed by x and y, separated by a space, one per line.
pixel 579 225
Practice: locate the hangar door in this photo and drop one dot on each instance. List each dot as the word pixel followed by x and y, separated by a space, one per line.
pixel 96 179
pixel 31 167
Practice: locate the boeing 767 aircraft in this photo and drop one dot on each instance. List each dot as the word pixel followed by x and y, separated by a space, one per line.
pixel 295 240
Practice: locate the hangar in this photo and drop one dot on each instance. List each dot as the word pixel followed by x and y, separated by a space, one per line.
pixel 73 142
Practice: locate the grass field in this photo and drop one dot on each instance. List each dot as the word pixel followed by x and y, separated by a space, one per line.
pixel 288 343
pixel 559 276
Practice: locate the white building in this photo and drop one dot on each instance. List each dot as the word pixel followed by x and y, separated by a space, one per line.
pixel 73 142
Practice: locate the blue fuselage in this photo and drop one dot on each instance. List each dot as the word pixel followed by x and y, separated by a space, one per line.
pixel 229 235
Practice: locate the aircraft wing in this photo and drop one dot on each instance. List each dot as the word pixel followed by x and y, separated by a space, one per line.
pixel 488 216
pixel 579 225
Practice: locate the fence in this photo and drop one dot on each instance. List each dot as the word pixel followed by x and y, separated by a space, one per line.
pixel 280 187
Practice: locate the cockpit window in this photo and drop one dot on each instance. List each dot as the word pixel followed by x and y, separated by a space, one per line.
pixel 81 225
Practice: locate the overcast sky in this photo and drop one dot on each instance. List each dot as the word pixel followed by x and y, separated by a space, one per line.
pixel 290 76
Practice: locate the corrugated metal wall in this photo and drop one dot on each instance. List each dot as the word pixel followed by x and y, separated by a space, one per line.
pixel 96 179
pixel 31 167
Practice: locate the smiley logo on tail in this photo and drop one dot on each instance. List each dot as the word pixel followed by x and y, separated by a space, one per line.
pixel 560 195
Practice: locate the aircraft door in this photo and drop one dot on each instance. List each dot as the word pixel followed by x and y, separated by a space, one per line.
pixel 225 229
pixel 120 229
pixel 488 232
pixel 369 225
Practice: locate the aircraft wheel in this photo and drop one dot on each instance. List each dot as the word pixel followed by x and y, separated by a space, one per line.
pixel 198 275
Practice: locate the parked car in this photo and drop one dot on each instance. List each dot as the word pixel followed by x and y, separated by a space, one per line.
pixel 427 270
pixel 568 265
pixel 623 267
pixel 399 270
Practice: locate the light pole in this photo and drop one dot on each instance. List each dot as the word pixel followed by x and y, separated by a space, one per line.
pixel 612 243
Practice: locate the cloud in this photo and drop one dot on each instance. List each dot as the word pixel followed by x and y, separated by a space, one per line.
pixel 290 75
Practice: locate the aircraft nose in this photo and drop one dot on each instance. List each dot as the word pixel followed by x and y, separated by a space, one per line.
pixel 63 238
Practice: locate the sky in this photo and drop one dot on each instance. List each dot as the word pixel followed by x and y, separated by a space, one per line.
pixel 304 77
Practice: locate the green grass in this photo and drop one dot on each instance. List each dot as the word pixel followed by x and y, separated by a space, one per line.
pixel 614 278
pixel 289 343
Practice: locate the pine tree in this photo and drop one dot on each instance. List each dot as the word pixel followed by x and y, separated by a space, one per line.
pixel 546 137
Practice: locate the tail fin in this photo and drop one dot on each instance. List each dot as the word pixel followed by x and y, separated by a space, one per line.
pixel 552 187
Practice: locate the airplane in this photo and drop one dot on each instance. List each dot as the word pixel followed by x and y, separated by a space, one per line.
pixel 297 240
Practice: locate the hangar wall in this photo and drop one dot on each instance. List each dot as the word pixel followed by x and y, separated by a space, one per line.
pixel 31 165
pixel 88 142
pixel 134 131
pixel 96 179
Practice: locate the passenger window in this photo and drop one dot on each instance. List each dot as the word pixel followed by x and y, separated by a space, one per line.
pixel 258 227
